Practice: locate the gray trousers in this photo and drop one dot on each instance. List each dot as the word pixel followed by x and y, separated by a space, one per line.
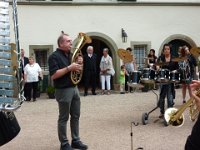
pixel 69 104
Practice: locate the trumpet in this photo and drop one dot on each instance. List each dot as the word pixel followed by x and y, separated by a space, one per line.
pixel 175 116
pixel 82 40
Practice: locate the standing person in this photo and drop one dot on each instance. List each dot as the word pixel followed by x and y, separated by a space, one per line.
pixel 192 64
pixel 90 71
pixel 122 79
pixel 192 142
pixel 167 89
pixel 32 72
pixel 67 94
pixel 106 70
pixel 130 67
pixel 23 62
pixel 152 59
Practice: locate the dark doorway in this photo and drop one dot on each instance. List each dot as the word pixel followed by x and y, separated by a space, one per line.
pixel 98 45
pixel 175 44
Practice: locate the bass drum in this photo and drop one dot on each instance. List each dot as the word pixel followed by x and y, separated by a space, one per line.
pixel 9 127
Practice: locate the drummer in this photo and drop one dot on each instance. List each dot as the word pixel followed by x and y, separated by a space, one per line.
pixel 130 67
pixel 166 89
pixel 152 59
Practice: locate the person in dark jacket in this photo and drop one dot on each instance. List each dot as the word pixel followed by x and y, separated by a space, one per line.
pixel 192 142
pixel 90 70
pixel 67 93
pixel 23 62
pixel 167 88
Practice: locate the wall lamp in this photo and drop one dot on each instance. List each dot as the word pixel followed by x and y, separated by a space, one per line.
pixel 124 36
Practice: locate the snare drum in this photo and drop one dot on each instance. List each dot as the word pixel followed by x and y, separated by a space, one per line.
pixel 135 77
pixel 148 75
pixel 163 75
pixel 174 76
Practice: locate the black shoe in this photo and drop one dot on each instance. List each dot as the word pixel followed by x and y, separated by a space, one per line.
pixel 34 99
pixel 122 92
pixel 161 116
pixel 79 145
pixel 66 147
pixel 85 94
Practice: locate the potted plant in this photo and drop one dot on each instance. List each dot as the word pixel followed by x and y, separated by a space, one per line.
pixel 51 92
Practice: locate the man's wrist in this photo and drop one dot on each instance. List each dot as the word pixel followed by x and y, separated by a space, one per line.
pixel 68 69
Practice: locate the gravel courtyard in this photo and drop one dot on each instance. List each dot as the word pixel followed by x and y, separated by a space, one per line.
pixel 105 124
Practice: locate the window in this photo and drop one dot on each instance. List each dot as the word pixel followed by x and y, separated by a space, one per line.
pixel 41 58
pixel 140 52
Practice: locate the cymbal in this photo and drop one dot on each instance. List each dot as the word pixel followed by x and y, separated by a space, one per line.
pixel 161 63
pixel 178 59
pixel 195 51
pixel 125 55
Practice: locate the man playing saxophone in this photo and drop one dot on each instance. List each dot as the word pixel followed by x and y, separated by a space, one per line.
pixel 192 142
pixel 67 93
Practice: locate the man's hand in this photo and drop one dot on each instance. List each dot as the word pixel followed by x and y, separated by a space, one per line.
pixel 75 67
pixel 195 85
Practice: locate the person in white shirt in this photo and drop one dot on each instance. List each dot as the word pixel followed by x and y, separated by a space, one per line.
pixel 106 70
pixel 32 73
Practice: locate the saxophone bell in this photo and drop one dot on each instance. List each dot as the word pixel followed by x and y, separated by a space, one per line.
pixel 175 116
pixel 169 117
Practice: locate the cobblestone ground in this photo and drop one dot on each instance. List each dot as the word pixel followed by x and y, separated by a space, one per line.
pixel 105 124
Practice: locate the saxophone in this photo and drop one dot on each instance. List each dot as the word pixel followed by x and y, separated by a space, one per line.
pixel 175 116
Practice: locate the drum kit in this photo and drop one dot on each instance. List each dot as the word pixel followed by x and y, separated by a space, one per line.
pixel 151 75
pixel 161 76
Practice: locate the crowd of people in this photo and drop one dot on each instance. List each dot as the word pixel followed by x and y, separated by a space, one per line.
pixel 67 93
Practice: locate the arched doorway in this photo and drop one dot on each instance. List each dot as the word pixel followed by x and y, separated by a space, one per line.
pixel 175 44
pixel 100 41
pixel 176 41
pixel 98 45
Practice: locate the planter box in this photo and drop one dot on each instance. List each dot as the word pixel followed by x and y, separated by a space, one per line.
pixel 51 95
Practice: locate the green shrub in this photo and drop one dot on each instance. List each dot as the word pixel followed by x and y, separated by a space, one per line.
pixel 50 90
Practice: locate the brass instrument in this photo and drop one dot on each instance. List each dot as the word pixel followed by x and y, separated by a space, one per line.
pixel 175 116
pixel 82 40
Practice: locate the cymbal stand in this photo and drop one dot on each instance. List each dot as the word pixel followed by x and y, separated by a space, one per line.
pixel 134 124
